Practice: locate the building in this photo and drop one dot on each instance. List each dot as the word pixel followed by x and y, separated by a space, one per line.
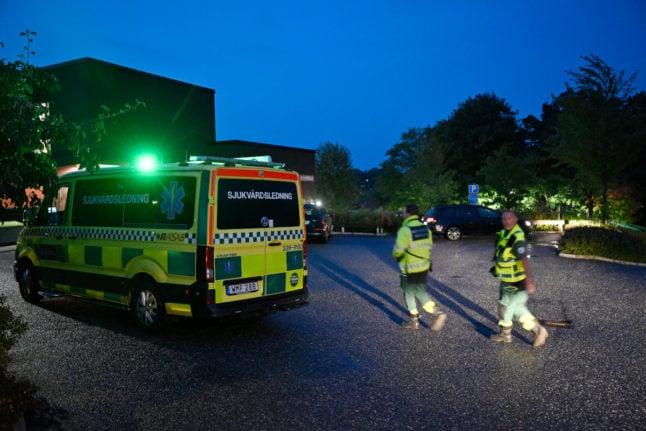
pixel 149 114
pixel 173 120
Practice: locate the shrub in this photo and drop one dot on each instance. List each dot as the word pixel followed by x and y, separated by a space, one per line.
pixel 604 242
pixel 366 221
pixel 16 395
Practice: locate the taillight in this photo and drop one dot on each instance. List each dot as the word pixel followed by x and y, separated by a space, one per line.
pixel 204 265
pixel 304 264
pixel 209 273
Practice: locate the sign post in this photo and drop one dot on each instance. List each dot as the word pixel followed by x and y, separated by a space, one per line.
pixel 474 189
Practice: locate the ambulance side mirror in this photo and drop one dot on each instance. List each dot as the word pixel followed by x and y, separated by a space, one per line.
pixel 52 216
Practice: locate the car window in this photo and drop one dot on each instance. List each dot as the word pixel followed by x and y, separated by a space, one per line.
pixel 443 212
pixel 465 212
pixel 488 213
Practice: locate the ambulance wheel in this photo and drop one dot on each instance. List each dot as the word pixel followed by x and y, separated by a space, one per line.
pixel 147 305
pixel 28 284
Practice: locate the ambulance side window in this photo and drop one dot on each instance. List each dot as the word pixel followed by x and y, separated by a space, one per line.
pixel 164 202
pixel 56 211
pixel 97 202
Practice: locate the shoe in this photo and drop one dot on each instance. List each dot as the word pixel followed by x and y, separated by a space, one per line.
pixel 504 336
pixel 440 319
pixel 413 323
pixel 541 337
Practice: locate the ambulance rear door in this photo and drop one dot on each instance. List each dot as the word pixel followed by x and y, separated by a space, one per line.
pixel 258 234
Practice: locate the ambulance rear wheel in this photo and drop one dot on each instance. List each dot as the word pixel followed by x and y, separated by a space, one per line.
pixel 28 285
pixel 147 306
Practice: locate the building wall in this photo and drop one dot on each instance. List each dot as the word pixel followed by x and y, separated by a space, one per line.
pixel 178 118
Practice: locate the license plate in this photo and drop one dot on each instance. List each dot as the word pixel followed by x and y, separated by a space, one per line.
pixel 237 289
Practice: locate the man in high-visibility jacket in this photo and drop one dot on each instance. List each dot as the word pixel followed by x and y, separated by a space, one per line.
pixel 516 283
pixel 412 251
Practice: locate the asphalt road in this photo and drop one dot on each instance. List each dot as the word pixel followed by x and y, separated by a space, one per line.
pixel 344 362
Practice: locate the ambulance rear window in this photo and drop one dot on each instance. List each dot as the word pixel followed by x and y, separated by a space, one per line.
pixel 254 204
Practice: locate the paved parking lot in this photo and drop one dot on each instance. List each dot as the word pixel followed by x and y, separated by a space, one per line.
pixel 344 363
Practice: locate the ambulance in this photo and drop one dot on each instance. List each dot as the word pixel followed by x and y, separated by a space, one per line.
pixel 206 238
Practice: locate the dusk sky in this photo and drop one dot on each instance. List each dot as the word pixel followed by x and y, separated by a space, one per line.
pixel 356 73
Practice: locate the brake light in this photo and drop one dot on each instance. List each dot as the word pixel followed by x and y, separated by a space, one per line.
pixel 209 273
pixel 205 269
pixel 305 264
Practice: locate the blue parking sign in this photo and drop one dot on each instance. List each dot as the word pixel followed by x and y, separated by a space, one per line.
pixel 473 188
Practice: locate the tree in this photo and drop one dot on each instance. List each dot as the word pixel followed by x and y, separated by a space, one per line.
pixel 28 129
pixel 415 171
pixel 369 196
pixel 475 131
pixel 635 173
pixel 593 128
pixel 335 182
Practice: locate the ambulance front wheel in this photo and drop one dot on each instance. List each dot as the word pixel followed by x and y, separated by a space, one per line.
pixel 27 283
pixel 147 305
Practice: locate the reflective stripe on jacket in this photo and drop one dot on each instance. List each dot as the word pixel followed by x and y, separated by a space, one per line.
pixel 413 246
pixel 509 267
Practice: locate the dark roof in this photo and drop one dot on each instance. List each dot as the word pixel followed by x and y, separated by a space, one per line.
pixel 94 61
pixel 251 143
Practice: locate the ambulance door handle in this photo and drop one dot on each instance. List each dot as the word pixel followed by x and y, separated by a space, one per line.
pixel 71 237
pixel 274 244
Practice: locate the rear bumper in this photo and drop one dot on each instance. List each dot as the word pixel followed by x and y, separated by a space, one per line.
pixel 264 305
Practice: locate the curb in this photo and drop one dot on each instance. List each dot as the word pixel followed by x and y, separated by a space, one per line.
pixel 7 248
pixel 603 259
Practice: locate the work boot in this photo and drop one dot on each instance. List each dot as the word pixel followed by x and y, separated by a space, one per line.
pixel 540 335
pixel 440 318
pixel 503 337
pixel 413 323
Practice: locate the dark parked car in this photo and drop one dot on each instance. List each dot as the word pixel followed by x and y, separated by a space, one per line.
pixel 318 223
pixel 453 221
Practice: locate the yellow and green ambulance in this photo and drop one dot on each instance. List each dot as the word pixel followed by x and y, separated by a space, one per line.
pixel 206 238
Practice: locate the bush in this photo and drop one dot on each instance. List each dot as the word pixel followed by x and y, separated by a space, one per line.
pixel 16 395
pixel 366 221
pixel 603 242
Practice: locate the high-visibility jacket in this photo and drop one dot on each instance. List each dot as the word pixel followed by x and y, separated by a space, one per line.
pixel 413 246
pixel 509 267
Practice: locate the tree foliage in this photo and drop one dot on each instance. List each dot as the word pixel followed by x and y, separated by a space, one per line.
pixel 584 156
pixel 594 127
pixel 335 182
pixel 415 171
pixel 474 131
pixel 28 129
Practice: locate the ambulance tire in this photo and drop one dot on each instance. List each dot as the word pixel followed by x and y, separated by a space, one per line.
pixel 147 305
pixel 28 285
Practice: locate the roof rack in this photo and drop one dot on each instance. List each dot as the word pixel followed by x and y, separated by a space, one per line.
pixel 264 161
